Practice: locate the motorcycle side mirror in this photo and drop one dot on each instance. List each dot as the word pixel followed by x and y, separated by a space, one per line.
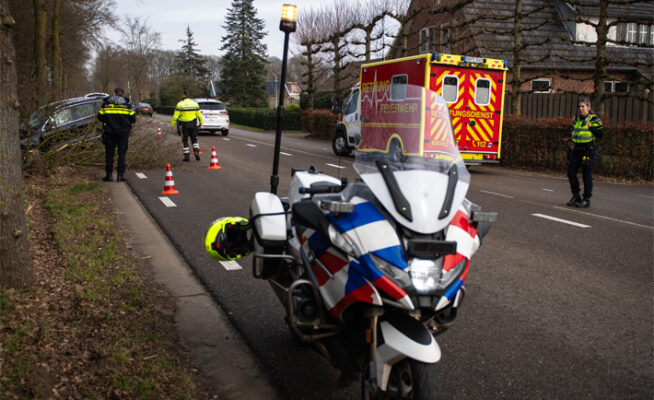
pixel 484 216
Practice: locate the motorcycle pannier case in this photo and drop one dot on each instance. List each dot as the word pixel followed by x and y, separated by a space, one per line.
pixel 269 224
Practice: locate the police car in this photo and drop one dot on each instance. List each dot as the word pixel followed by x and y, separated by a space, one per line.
pixel 215 116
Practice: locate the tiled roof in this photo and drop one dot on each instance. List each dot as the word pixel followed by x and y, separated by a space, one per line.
pixel 551 44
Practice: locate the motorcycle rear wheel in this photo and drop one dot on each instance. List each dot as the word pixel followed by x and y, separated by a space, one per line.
pixel 409 380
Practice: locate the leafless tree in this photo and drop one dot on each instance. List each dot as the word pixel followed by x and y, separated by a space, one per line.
pixel 310 35
pixel 16 268
pixel 602 25
pixel 139 42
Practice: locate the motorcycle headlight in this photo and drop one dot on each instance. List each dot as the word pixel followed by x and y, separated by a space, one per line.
pixel 399 276
pixel 425 275
pixel 428 276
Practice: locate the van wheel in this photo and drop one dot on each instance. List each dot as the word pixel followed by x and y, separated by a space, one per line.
pixel 339 145
pixel 395 151
pixel 224 132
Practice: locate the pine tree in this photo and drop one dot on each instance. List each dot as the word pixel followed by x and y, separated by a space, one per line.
pixel 187 61
pixel 244 61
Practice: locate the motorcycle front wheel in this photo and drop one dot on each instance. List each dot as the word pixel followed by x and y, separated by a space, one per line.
pixel 409 380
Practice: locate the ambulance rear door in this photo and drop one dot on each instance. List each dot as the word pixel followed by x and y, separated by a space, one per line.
pixel 475 97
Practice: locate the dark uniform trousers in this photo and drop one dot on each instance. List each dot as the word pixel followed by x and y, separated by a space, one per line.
pixel 189 129
pixel 112 141
pixel 577 155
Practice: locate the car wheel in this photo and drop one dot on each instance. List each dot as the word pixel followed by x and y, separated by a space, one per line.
pixel 225 132
pixel 339 144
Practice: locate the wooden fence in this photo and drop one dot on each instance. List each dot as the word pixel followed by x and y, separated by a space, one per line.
pixel 552 105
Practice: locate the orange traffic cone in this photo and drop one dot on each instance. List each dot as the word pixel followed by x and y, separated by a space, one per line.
pixel 159 131
pixel 214 159
pixel 169 184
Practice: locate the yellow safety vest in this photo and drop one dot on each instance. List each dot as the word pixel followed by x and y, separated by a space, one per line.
pixel 581 132
pixel 186 110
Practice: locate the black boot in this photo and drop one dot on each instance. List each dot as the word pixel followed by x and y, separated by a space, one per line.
pixel 585 203
pixel 197 156
pixel 187 157
pixel 574 200
pixel 121 178
pixel 107 178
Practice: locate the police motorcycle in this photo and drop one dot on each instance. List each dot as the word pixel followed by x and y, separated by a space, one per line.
pixel 369 272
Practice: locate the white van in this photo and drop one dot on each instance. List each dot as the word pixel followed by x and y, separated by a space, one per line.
pixel 215 116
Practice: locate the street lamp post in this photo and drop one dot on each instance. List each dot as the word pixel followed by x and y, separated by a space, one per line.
pixel 286 25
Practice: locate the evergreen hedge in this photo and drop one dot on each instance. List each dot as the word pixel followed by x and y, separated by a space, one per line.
pixel 625 150
pixel 266 118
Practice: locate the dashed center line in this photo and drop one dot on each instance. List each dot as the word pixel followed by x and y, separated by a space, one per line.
pixel 141 175
pixel 167 202
pixel 251 145
pixel 231 265
pixel 285 154
pixel 563 221
pixel 548 190
pixel 335 166
pixel 606 218
pixel 498 194
pixel 227 139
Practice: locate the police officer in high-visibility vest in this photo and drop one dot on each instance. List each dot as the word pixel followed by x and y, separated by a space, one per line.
pixel 586 130
pixel 117 118
pixel 187 114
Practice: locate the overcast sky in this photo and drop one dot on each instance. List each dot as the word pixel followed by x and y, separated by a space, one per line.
pixel 206 19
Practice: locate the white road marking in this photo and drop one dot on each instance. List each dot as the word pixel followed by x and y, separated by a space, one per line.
pixel 606 218
pixel 167 202
pixel 498 194
pixel 336 166
pixel 231 265
pixel 548 190
pixel 251 145
pixel 141 175
pixel 564 221
pixel 647 197
pixel 227 139
pixel 286 154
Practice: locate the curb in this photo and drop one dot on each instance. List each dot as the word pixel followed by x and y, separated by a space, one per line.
pixel 214 347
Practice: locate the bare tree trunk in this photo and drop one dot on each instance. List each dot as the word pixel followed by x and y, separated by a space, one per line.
pixel 516 94
pixel 599 76
pixel 15 260
pixel 40 26
pixel 56 62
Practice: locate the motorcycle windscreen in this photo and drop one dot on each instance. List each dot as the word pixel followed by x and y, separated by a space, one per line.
pixel 409 158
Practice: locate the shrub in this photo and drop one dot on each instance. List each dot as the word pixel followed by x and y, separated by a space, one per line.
pixel 625 149
pixel 266 118
pixel 320 123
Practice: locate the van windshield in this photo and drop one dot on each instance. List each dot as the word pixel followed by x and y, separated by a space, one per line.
pixel 206 105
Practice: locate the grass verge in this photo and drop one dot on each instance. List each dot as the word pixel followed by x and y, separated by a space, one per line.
pixel 93 325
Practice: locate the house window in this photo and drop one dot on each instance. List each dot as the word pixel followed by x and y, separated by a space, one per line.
pixel 445 40
pixel 642 34
pixel 427 39
pixel 635 33
pixel 450 88
pixel 616 87
pixel 398 87
pixel 541 85
pixel 482 91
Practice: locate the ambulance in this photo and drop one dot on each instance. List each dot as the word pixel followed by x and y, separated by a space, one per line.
pixel 472 87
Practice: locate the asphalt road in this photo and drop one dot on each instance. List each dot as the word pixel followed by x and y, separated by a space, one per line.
pixel 559 304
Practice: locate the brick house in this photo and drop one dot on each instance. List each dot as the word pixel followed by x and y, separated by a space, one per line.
pixel 556 58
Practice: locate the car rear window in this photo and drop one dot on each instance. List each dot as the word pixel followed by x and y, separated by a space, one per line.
pixel 145 105
pixel 206 105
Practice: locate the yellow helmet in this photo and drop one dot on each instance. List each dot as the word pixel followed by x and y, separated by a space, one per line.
pixel 227 238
